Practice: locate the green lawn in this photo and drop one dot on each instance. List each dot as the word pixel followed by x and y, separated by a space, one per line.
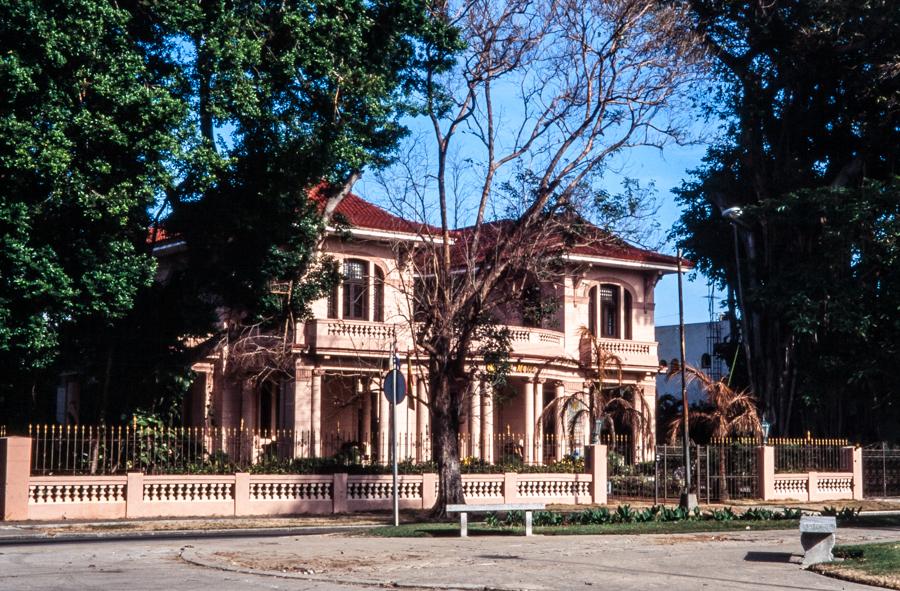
pixel 873 564
pixel 420 530
pixel 446 529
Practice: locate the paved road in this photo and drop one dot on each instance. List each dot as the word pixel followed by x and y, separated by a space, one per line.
pixel 741 561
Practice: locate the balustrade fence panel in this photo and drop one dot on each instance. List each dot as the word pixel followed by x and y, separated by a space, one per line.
pixel 881 470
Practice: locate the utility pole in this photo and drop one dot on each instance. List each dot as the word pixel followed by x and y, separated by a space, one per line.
pixel 688 500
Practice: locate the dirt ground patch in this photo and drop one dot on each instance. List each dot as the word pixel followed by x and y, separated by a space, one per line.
pixel 343 564
pixel 857 576
pixel 204 524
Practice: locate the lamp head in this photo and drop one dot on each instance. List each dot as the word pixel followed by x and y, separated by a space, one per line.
pixel 732 214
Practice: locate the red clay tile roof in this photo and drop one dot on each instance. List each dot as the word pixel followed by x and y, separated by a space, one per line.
pixel 359 213
pixel 625 251
pixel 602 244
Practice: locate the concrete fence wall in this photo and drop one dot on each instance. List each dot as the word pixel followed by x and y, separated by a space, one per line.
pixel 25 497
pixel 811 486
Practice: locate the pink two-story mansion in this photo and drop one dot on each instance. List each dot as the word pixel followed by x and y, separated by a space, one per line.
pixel 341 354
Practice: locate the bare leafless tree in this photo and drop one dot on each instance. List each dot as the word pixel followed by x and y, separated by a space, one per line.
pixel 543 97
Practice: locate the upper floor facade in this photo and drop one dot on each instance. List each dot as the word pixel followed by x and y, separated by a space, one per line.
pixel 607 289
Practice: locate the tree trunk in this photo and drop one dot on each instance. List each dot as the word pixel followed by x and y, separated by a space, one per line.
pixel 445 431
pixel 724 495
pixel 446 450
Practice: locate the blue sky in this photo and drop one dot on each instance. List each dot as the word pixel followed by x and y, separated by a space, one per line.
pixel 667 169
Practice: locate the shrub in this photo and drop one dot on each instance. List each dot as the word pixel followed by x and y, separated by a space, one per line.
pixel 757 514
pixel 726 514
pixel 845 514
pixel 624 514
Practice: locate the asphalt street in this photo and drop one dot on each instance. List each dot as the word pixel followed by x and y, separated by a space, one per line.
pixel 338 561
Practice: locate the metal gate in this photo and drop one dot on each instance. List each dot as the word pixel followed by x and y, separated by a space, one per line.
pixel 719 472
pixel 881 470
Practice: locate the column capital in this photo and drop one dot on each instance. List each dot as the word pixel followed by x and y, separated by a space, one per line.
pixel 318 372
pixel 539 380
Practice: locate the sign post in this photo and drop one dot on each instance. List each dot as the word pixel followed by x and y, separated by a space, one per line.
pixel 394 390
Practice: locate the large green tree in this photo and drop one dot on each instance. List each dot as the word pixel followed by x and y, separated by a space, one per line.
pixel 810 95
pixel 249 105
pixel 86 135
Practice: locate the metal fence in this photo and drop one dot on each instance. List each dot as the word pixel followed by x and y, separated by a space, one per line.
pixel 719 472
pixel 881 470
pixel 808 455
pixel 93 449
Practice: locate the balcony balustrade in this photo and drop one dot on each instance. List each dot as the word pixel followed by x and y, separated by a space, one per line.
pixel 378 337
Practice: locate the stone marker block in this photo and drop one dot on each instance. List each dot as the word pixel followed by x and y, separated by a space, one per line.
pixel 817 539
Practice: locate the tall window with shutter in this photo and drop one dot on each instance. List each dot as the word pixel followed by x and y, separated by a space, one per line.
pixel 379 295
pixel 609 311
pixel 356 290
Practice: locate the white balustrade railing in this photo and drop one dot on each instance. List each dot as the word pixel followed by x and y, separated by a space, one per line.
pixel 291 488
pixel 167 489
pixel 77 489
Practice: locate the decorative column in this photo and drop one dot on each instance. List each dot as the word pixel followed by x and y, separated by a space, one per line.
pixel 528 394
pixel 362 389
pixel 384 425
pixel 302 410
pixel 539 421
pixel 315 425
pixel 423 453
pixel 475 421
pixel 560 424
pixel 247 434
pixel 487 422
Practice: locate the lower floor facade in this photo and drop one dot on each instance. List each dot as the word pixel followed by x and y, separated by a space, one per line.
pixel 335 406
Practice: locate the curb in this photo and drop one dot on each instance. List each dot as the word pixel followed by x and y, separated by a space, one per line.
pixel 190 556
pixel 60 538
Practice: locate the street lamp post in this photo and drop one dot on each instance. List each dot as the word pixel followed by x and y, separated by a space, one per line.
pixel 733 215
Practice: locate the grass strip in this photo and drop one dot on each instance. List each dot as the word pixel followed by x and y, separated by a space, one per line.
pixel 437 530
pixel 871 564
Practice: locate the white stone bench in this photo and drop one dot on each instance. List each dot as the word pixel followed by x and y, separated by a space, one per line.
pixel 817 539
pixel 464 510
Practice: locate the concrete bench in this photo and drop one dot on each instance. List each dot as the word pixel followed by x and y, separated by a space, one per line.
pixel 464 510
pixel 817 539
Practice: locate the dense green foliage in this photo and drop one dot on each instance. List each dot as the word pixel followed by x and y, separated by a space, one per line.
pixel 811 99
pixel 87 134
pixel 209 121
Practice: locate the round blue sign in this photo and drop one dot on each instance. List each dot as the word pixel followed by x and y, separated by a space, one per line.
pixel 394 377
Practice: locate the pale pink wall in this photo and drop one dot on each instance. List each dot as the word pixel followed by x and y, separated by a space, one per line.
pixel 396 308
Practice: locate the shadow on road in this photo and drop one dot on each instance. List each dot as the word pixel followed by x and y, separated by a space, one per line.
pixel 768 556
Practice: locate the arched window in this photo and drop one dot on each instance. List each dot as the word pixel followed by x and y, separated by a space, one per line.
pixel 379 295
pixel 356 290
pixel 705 361
pixel 592 310
pixel 626 297
pixel 609 311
